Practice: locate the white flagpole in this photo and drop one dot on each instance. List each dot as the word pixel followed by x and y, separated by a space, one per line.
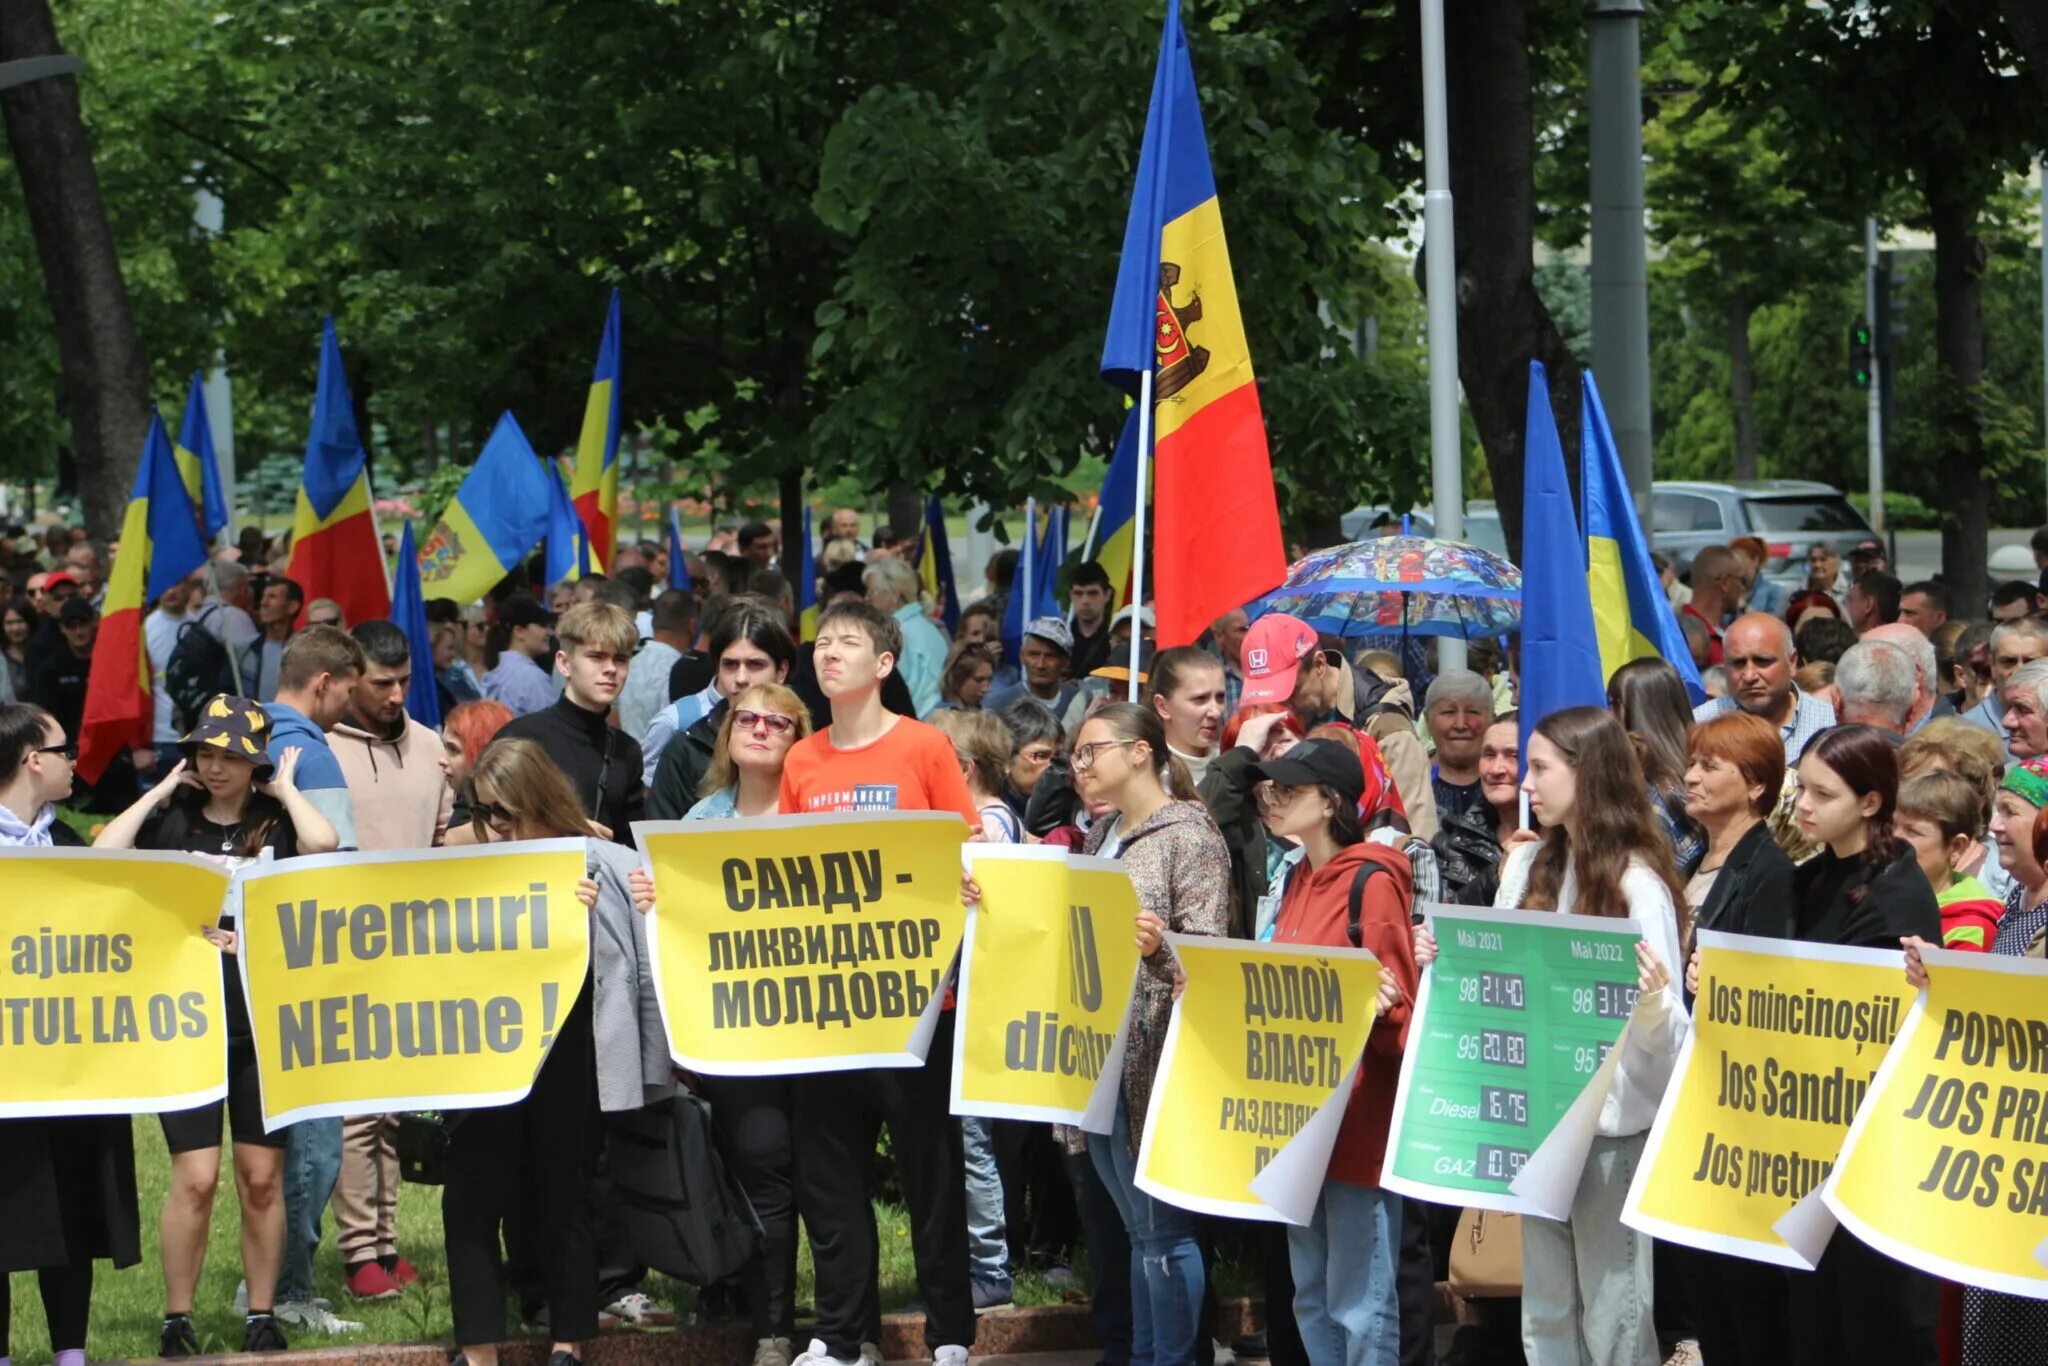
pixel 1027 582
pixel 1137 601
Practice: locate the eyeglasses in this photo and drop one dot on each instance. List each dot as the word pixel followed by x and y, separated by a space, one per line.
pixel 494 815
pixel 1273 796
pixel 777 724
pixel 69 749
pixel 1085 755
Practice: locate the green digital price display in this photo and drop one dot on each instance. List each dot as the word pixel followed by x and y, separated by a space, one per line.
pixel 1515 1016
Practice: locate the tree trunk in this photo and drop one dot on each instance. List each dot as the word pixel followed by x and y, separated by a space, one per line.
pixel 1742 384
pixel 106 377
pixel 906 509
pixel 790 492
pixel 1502 321
pixel 1959 258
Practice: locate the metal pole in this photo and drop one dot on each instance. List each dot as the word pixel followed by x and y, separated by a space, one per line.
pixel 1440 269
pixel 1137 601
pixel 1024 582
pixel 1874 405
pixel 1620 270
pixel 208 214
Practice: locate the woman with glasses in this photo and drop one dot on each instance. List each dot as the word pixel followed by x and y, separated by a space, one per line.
pixel 69 1190
pixel 225 800
pixel 1163 835
pixel 609 1054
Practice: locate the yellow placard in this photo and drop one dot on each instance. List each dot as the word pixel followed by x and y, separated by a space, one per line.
pixel 1257 1067
pixel 1946 1166
pixel 112 1001
pixel 1045 986
pixel 411 980
pixel 1786 1038
pixel 803 943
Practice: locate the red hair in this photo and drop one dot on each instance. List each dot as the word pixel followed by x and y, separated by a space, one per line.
pixel 1812 597
pixel 476 724
pixel 1752 745
pixel 1290 722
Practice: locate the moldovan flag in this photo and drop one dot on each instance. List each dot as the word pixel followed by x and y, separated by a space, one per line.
pixel 335 551
pixel 1112 540
pixel 1632 616
pixel 198 464
pixel 1175 314
pixel 159 546
pixel 497 517
pixel 596 490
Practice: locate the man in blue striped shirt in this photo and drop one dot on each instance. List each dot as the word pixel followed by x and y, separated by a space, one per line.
pixel 1759 657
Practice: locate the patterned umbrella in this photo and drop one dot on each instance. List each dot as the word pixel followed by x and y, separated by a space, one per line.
pixel 1395 585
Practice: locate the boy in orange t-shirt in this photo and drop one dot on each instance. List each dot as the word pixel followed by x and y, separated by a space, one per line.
pixel 870 759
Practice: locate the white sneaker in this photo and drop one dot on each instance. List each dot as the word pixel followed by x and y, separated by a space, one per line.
pixel 871 1354
pixel 313 1318
pixel 1224 1356
pixel 638 1311
pixel 816 1355
pixel 774 1352
pixel 950 1356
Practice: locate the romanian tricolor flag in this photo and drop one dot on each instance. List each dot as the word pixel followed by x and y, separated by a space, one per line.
pixel 159 546
pixel 1175 318
pixel 198 463
pixel 596 490
pixel 1631 615
pixel 497 517
pixel 1112 537
pixel 335 551
pixel 935 565
pixel 807 585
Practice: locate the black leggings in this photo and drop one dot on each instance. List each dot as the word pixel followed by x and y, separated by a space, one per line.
pixel 67 1298
pixel 750 1116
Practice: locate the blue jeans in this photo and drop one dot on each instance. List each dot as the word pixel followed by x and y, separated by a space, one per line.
pixel 312 1159
pixel 988 1249
pixel 1344 1297
pixel 1166 1265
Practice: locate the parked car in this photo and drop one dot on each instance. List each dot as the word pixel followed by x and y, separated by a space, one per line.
pixel 1788 515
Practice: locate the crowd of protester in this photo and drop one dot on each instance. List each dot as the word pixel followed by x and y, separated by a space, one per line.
pixel 1869 767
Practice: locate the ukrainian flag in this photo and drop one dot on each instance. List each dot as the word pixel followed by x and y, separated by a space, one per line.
pixel 497 517
pixel 807 586
pixel 159 547
pixel 568 545
pixel 409 614
pixel 1175 314
pixel 1631 616
pixel 1112 539
pixel 596 490
pixel 198 464
pixel 335 551
pixel 935 565
pixel 1560 661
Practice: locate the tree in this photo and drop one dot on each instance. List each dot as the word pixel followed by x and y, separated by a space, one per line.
pixel 105 375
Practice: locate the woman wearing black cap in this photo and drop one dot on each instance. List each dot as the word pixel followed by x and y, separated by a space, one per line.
pixel 224 800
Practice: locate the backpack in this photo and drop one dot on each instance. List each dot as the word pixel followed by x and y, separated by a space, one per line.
pixel 198 668
pixel 680 1208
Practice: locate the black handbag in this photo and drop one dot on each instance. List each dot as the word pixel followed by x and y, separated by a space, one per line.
pixel 682 1211
pixel 422 1144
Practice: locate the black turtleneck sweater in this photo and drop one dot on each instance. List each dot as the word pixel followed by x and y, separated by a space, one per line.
pixel 582 743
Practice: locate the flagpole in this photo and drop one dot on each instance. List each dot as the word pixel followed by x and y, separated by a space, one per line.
pixel 1087 550
pixel 1028 581
pixel 1447 472
pixel 1138 526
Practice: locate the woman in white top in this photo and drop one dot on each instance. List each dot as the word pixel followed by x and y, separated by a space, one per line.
pixel 1586 1283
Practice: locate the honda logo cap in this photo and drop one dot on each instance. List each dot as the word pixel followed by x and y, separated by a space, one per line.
pixel 1272 655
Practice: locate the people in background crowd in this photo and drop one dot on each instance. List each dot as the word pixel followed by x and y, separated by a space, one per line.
pixel 892 586
pixel 1760 661
pixel 1457 709
pixel 965 679
pixel 524 638
pixel 1093 598
pixel 1873 601
pixel 1043 658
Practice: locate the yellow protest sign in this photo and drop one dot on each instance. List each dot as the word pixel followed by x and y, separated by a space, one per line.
pixel 112 1001
pixel 1045 986
pixel 1785 1040
pixel 410 980
pixel 1258 1064
pixel 1946 1165
pixel 803 943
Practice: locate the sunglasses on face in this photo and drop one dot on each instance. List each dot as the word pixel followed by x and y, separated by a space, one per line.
pixel 494 815
pixel 69 749
pixel 777 724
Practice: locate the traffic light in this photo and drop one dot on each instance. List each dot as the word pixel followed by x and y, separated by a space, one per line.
pixel 1859 355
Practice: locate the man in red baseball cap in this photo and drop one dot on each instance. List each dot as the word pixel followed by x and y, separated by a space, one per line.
pixel 1282 664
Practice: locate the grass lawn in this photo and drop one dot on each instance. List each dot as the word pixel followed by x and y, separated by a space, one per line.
pixel 127 1306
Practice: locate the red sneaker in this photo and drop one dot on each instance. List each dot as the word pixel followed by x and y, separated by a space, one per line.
pixel 372 1282
pixel 404 1272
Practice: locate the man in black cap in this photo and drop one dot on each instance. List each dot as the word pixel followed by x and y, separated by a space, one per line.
pixel 59 683
pixel 519 679
pixel 1867 556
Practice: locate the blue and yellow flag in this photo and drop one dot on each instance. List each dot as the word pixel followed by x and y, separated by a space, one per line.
pixel 568 544
pixel 807 585
pixel 935 565
pixel 198 464
pixel 1560 656
pixel 678 558
pixel 409 614
pixel 1631 616
pixel 335 549
pixel 1112 538
pixel 596 491
pixel 495 520
pixel 1175 315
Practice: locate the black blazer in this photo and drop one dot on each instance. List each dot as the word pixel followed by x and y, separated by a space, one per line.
pixel 1753 892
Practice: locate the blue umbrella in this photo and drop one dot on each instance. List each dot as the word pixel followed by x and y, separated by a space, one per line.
pixel 1401 585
